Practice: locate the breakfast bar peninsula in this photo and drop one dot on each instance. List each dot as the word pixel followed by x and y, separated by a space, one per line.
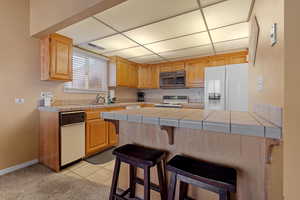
pixel 242 140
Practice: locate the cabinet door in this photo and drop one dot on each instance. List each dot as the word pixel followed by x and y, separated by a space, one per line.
pixel 121 74
pixel 60 57
pixel 96 136
pixel 172 66
pixel 144 77
pixel 218 61
pixel 112 135
pixel 154 76
pixel 133 76
pixel 195 73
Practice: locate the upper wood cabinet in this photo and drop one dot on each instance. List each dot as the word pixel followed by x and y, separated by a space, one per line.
pixel 195 72
pixel 56 58
pixel 195 68
pixel 148 76
pixel 172 66
pixel 123 73
pixel 227 59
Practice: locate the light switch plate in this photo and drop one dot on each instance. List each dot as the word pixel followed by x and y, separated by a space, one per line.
pixel 273 34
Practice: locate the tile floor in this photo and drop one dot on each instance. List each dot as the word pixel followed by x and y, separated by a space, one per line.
pixel 100 174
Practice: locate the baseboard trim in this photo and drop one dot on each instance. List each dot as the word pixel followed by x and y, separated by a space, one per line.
pixel 17 167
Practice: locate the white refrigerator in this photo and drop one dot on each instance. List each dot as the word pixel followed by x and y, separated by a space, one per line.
pixel 226 87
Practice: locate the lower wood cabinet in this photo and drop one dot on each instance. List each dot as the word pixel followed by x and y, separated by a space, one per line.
pixel 100 134
pixel 96 136
pixel 113 137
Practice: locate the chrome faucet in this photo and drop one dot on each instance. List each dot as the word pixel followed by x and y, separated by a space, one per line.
pixel 100 99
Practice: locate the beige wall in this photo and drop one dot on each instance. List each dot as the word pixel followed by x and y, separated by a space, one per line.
pixel 291 101
pixel 270 65
pixel 20 77
pixel 269 60
pixel 63 13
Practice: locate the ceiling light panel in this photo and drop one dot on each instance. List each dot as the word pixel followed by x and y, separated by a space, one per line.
pixel 230 32
pixel 129 53
pixel 205 3
pixel 180 43
pixel 115 42
pixel 190 52
pixel 227 12
pixel 181 25
pixel 134 13
pixel 147 59
pixel 86 30
pixel 232 45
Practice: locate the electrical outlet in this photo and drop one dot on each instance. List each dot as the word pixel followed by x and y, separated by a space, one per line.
pixel 260 83
pixel 19 100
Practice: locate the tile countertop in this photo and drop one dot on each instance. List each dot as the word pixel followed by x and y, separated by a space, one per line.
pixel 75 107
pixel 230 122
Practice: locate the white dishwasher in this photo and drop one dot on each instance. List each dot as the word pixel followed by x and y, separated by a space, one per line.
pixel 72 137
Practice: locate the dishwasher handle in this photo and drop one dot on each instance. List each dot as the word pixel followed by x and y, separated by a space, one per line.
pixel 69 118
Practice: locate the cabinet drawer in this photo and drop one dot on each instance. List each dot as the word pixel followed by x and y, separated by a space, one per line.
pixel 116 108
pixel 94 114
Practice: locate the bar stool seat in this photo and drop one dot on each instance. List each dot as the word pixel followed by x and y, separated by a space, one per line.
pixel 215 178
pixel 139 157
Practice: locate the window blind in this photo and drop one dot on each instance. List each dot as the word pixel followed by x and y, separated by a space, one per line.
pixel 89 73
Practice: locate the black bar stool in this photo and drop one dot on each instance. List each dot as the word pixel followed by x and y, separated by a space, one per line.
pixel 142 157
pixel 212 177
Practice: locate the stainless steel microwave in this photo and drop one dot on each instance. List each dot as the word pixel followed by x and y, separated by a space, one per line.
pixel 172 79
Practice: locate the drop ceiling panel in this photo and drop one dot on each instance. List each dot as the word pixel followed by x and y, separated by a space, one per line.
pixel 86 30
pixel 230 32
pixel 134 13
pixel 180 43
pixel 190 52
pixel 147 59
pixel 174 27
pixel 115 42
pixel 227 12
pixel 232 45
pixel 129 53
pixel 205 3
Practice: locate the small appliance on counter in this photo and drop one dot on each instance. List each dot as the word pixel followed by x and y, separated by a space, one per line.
pixel 173 101
pixel 140 96
pixel 47 98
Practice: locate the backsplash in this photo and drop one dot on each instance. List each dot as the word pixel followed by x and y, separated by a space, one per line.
pixel 196 95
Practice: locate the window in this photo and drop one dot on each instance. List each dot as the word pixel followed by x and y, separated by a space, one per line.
pixel 89 73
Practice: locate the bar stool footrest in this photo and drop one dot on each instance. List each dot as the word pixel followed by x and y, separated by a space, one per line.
pixel 152 185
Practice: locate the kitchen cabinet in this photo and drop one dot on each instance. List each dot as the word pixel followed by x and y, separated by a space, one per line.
pixel 56 58
pixel 172 66
pixel 100 134
pixel 148 76
pixel 112 134
pixel 96 133
pixel 227 59
pixel 123 73
pixel 195 72
pixel 96 136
